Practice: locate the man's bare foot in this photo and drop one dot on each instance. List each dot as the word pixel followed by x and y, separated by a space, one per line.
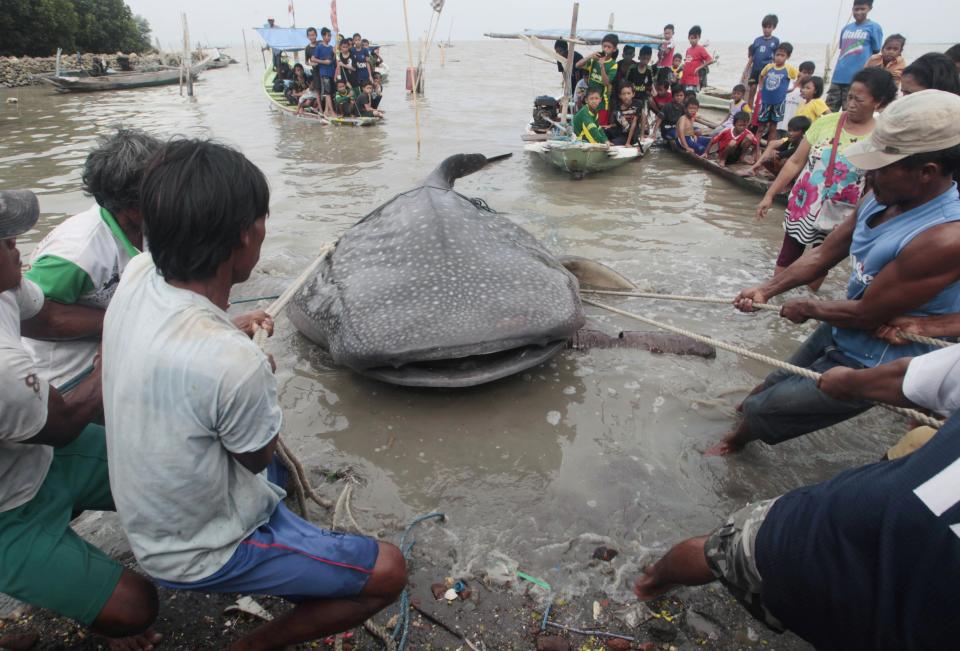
pixel 145 642
pixel 728 445
pixel 647 587
pixel 19 641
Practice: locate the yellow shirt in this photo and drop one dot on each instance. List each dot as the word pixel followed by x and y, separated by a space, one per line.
pixel 813 109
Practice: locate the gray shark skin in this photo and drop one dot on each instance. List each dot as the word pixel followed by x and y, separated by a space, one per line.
pixel 435 289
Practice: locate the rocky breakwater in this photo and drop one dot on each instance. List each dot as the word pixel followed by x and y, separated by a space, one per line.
pixel 23 71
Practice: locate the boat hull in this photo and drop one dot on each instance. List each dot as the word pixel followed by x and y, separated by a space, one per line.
pixel 754 184
pixel 580 158
pixel 121 80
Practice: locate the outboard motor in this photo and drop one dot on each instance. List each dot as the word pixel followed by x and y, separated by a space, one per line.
pixel 124 62
pixel 545 110
pixel 97 68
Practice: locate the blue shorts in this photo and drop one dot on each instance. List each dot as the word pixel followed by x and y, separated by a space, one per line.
pixel 289 557
pixel 771 112
pixel 698 144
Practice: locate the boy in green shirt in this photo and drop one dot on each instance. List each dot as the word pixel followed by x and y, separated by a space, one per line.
pixel 601 69
pixel 585 125
pixel 344 102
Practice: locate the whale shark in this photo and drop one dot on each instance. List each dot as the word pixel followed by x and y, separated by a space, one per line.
pixel 436 289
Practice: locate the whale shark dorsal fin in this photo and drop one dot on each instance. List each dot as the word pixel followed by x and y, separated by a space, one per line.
pixel 458 166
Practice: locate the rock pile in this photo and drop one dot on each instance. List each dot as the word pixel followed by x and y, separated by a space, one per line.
pixel 23 71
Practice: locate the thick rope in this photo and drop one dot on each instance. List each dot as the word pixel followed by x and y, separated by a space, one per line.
pixel 909 336
pixel 301 483
pixel 744 352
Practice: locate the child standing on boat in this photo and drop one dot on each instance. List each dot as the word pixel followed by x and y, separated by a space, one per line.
pixel 601 70
pixel 761 52
pixel 794 96
pixel 688 135
pixel 585 123
pixel 697 58
pixel 890 58
pixel 323 60
pixel 775 82
pixel 735 143
pixel 858 41
pixel 667 49
pixel 628 120
pixel 813 96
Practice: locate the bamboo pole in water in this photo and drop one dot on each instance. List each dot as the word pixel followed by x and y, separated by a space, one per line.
pixel 416 106
pixel 187 56
pixel 246 52
pixel 568 66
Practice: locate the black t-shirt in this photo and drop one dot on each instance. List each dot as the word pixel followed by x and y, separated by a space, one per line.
pixel 576 74
pixel 643 81
pixel 349 76
pixel 671 114
pixel 871 558
pixel 623 117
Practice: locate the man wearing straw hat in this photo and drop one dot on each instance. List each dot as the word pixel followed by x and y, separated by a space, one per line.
pixel 903 242
pixel 53 464
pixel 193 418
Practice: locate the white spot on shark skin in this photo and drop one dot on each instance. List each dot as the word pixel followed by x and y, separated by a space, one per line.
pixel 569 391
pixel 658 402
pixel 553 417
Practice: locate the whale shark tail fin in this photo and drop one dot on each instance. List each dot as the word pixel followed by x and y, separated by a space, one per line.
pixel 458 166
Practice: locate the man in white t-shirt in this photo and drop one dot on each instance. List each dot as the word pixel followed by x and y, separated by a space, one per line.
pixel 192 418
pixel 80 261
pixel 53 465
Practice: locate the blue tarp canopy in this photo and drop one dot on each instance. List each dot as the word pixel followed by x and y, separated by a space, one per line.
pixel 589 36
pixel 284 38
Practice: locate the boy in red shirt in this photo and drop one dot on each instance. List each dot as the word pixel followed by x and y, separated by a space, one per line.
pixel 735 143
pixel 697 58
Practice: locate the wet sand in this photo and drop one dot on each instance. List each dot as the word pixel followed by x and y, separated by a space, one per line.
pixel 533 471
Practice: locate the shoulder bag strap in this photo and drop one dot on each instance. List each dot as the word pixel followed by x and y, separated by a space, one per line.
pixel 833 153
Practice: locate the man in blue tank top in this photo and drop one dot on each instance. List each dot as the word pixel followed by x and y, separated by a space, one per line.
pixel 867 560
pixel 904 243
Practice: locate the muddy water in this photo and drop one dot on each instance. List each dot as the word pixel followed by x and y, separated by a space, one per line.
pixel 535 469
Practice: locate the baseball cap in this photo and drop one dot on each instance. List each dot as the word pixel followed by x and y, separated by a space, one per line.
pixel 918 123
pixel 19 211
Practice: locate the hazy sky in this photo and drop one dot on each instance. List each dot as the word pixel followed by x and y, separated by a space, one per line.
pixel 802 21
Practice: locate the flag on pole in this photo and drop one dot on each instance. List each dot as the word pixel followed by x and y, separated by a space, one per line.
pixel 333 17
pixel 437 5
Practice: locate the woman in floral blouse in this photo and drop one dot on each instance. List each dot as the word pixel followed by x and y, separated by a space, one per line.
pixel 870 91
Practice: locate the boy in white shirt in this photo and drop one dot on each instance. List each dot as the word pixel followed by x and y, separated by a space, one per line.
pixel 190 405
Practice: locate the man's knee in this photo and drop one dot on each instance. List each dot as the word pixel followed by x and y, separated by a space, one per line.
pixel 389 574
pixel 131 609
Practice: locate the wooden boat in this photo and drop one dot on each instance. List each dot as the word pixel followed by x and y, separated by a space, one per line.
pixel 279 102
pixel 756 184
pixel 579 158
pixel 121 80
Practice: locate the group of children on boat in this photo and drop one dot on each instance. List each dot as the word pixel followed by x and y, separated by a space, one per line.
pixel 341 81
pixel 626 101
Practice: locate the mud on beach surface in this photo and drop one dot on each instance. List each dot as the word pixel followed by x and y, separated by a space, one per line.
pixel 492 617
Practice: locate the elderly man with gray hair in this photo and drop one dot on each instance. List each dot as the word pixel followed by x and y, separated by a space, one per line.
pixel 81 260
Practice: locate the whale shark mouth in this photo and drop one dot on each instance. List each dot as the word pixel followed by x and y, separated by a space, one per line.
pixel 466 371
